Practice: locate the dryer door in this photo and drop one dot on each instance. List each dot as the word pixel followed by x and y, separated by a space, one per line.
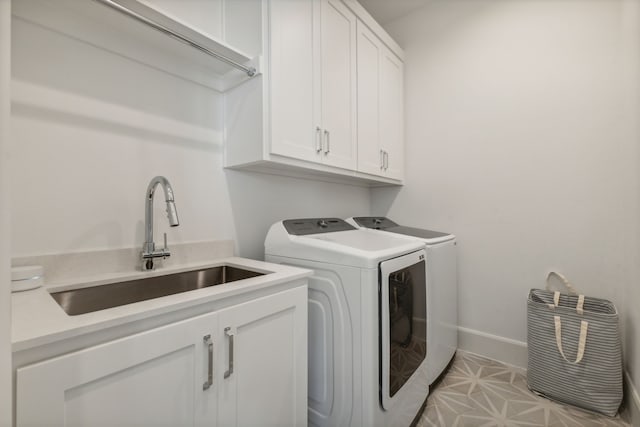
pixel 403 303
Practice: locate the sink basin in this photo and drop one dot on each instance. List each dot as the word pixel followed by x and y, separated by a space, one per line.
pixel 87 300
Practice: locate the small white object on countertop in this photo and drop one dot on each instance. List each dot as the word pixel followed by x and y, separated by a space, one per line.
pixel 26 277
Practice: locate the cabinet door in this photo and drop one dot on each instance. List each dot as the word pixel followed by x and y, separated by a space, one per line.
pixel 338 41
pixel 392 112
pixel 292 74
pixel 370 158
pixel 152 378
pixel 264 357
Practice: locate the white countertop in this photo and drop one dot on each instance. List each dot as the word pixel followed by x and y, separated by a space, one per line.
pixel 37 319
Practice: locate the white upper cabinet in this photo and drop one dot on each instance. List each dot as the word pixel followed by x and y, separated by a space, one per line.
pixel 370 158
pixel 380 107
pixel 293 119
pixel 302 116
pixel 313 73
pixel 338 82
pixel 392 113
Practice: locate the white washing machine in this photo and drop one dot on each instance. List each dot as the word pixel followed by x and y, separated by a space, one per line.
pixel 367 360
pixel 442 288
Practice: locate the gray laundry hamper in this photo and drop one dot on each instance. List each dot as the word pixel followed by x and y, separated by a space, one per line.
pixel 575 354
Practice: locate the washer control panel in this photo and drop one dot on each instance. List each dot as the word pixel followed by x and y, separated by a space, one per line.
pixel 304 226
pixel 377 222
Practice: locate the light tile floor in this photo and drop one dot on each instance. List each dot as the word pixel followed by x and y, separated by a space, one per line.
pixel 479 392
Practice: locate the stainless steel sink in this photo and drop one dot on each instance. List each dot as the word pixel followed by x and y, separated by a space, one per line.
pixel 87 300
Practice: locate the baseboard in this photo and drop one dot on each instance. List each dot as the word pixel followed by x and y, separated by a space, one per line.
pixel 631 402
pixel 494 347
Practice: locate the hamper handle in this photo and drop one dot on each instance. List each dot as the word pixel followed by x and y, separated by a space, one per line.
pixel 564 280
pixel 572 290
pixel 582 342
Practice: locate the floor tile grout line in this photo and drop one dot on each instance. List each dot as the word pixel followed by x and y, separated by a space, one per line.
pixel 467 368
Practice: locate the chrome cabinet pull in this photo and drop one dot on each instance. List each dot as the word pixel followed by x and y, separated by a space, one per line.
pixel 228 332
pixel 386 160
pixel 207 341
pixel 327 137
pixel 381 159
pixel 318 139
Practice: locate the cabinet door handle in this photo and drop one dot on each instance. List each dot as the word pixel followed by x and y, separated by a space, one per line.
pixel 228 332
pixel 381 159
pixel 318 139
pixel 327 137
pixel 386 160
pixel 209 382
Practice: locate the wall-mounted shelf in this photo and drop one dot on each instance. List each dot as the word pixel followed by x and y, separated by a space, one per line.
pixel 135 30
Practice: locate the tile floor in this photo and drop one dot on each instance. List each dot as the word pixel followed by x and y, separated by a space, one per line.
pixel 480 392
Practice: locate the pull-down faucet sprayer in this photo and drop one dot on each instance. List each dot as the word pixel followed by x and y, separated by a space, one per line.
pixel 149 248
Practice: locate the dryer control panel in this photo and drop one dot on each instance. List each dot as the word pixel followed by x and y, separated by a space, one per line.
pixel 304 226
pixel 382 223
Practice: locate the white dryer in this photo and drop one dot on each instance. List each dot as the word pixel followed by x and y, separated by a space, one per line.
pixel 442 287
pixel 367 360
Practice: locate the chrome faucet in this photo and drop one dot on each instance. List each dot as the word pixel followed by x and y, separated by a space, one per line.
pixel 149 251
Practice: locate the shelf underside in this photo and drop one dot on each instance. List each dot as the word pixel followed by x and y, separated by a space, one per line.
pixel 99 25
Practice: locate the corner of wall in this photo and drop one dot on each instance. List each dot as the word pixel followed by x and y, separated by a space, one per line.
pixel 505 350
pixel 631 402
pixel 5 294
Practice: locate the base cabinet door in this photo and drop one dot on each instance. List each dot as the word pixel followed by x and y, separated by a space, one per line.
pixel 155 378
pixel 263 362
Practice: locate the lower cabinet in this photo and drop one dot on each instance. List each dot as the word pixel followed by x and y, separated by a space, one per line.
pixel 245 365
pixel 264 358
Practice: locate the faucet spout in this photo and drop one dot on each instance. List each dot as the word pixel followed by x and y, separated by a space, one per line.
pixel 149 248
pixel 172 214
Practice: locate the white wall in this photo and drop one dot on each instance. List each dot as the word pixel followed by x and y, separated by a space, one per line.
pixel 630 313
pixel 5 247
pixel 92 128
pixel 520 125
